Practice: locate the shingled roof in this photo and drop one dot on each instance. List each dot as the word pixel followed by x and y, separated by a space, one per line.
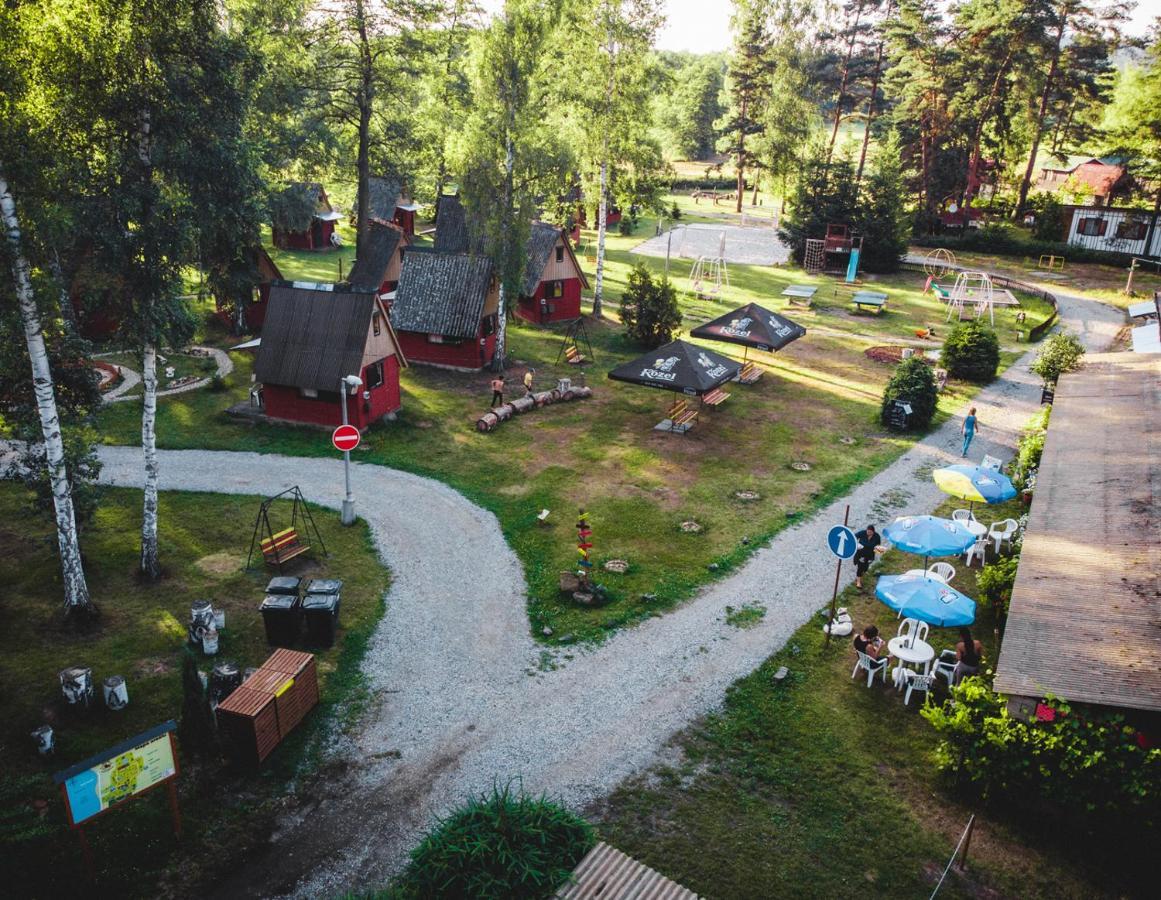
pixel 383 196
pixel 452 234
pixel 313 336
pixel 441 293
pixel 370 268
pixel 541 240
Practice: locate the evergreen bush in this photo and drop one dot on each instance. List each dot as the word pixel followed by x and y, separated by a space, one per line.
pixel 198 730
pixel 506 845
pixel 971 352
pixel 649 309
pixel 914 382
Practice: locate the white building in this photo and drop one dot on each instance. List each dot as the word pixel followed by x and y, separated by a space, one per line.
pixel 1115 230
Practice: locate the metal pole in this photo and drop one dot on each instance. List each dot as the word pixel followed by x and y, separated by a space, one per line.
pixel 348 513
pixel 668 244
pixel 838 570
pixel 967 842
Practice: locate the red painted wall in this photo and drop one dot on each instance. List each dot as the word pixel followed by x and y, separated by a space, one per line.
pixel 405 219
pixel 474 353
pixel 283 402
pixel 565 308
pixel 305 240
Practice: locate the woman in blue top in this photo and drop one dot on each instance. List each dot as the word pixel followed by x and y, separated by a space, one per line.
pixel 968 430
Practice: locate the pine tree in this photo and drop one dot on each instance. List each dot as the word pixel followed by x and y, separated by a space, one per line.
pixel 748 86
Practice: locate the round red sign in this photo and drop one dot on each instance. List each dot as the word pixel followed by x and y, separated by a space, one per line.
pixel 345 437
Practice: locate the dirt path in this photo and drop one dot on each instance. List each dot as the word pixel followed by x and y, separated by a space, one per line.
pixel 455 706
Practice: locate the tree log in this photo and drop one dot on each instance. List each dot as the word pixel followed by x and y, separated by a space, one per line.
pixel 493 417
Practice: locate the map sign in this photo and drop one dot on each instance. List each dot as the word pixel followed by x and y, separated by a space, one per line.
pixel 110 778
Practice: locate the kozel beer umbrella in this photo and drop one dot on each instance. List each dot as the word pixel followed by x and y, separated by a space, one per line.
pixel 751 326
pixel 679 367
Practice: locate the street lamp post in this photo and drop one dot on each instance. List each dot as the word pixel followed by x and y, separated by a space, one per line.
pixel 346 384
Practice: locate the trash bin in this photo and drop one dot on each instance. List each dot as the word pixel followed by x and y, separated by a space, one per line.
pixel 284 584
pixel 325 586
pixel 224 678
pixel 322 618
pixel 282 615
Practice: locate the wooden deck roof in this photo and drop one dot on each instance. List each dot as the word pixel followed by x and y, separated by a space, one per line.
pixel 1085 616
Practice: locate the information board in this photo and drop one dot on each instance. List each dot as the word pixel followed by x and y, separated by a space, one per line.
pixel 110 778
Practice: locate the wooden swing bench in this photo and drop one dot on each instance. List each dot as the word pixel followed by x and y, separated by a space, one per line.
pixel 282 547
pixel 681 416
pixel 573 356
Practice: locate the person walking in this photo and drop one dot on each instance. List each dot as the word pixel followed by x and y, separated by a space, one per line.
pixel 497 391
pixel 869 541
pixel 968 430
pixel 528 382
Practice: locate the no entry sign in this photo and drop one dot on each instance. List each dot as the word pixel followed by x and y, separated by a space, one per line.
pixel 345 437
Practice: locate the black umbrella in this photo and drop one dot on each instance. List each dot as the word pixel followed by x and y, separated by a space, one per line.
pixel 751 326
pixel 679 367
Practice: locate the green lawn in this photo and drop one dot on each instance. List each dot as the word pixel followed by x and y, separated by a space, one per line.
pixel 638 485
pixel 183 365
pixel 821 787
pixel 140 635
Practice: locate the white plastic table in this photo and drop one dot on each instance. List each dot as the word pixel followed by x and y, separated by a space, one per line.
pixel 910 651
pixel 979 529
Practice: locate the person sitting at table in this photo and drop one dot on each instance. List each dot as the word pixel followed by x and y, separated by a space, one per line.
pixel 870 643
pixel 869 541
pixel 968 653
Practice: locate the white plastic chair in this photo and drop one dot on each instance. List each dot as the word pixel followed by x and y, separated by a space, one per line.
pixel 941 571
pixel 945 665
pixel 991 462
pixel 917 682
pixel 912 629
pixel 1003 531
pixel 872 667
pixel 962 515
pixel 980 549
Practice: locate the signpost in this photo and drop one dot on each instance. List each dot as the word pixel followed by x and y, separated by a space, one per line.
pixel 131 768
pixel 841 541
pixel 346 438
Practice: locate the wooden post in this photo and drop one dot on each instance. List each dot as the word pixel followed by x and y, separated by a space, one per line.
pixel 171 789
pixel 838 570
pixel 87 853
pixel 967 841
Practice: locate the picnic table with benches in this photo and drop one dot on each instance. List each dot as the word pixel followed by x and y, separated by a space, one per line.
pixel 749 374
pixel 875 300
pixel 715 397
pixel 800 294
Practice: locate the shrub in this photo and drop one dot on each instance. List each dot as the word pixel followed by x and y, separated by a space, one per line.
pixel 914 382
pixel 219 383
pixel 506 845
pixel 995 583
pixel 1081 759
pixel 649 309
pixel 1031 445
pixel 675 211
pixel 293 207
pixel 971 352
pixel 1061 354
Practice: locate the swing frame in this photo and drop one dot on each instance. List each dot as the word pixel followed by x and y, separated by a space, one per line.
pixel 298 510
pixel 573 334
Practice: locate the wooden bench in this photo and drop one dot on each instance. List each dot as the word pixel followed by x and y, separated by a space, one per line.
pixel 283 547
pixel 573 356
pixel 681 417
pixel 749 374
pixel 715 397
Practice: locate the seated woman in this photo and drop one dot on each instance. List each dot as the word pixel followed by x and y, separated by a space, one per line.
pixel 870 643
pixel 968 653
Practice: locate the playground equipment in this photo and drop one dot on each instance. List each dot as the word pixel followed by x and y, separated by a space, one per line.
pixel 1133 268
pixel 836 254
pixel 570 346
pixel 278 547
pixel 708 275
pixel 813 258
pixel 1050 261
pixel 939 263
pixel 975 288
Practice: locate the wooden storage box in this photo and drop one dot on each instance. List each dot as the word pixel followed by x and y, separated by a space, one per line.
pixel 302 696
pixel 250 719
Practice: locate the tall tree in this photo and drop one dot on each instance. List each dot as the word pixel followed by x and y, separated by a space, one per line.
pixel 748 85
pixel 1133 126
pixel 873 92
pixel 506 157
pixel 853 36
pixel 610 49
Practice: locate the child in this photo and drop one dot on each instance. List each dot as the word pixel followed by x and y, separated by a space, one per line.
pixel 497 391
pixel 968 430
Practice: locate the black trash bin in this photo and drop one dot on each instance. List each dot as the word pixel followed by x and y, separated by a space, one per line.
pixel 322 618
pixel 284 584
pixel 282 615
pixel 325 586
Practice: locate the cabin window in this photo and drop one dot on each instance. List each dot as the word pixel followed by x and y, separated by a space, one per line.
pixel 442 339
pixel 376 325
pixel 1092 227
pixel 374 375
pixel 1132 230
pixel 308 393
pixel 553 290
pixel 560 253
pixel 489 324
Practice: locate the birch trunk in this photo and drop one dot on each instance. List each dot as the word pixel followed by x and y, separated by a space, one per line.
pixel 602 228
pixel 150 563
pixel 502 306
pixel 76 589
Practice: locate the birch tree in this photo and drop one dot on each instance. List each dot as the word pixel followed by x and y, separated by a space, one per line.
pixel 76 590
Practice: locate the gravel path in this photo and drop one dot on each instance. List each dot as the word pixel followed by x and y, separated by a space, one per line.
pixel 131 379
pixel 454 705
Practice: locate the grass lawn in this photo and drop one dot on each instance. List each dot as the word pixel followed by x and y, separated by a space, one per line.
pixel 141 633
pixel 821 787
pixel 183 365
pixel 638 485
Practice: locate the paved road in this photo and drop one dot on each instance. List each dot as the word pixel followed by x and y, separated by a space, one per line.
pixel 454 705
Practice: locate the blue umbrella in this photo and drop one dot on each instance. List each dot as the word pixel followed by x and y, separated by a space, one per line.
pixel 929 536
pixel 974 483
pixel 926 599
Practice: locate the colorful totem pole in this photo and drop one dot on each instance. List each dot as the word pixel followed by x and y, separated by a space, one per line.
pixel 583 545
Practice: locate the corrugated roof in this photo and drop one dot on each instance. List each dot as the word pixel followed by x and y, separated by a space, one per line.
pixel 313 337
pixel 1084 622
pixel 608 874
pixel 441 293
pixel 370 268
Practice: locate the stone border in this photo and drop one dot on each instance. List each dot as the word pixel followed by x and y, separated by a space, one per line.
pixel 132 379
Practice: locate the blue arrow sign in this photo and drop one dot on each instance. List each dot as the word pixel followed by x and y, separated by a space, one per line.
pixel 841 541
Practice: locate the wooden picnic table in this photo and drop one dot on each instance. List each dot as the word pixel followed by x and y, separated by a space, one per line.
pixel 873 299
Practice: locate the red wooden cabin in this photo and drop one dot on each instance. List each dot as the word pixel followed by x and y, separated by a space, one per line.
pixel 553 278
pixel 390 203
pixel 378 268
pixel 445 309
pixel 254 313
pixel 319 233
pixel 314 336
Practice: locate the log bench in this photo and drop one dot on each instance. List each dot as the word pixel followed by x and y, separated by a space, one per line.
pixel 282 547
